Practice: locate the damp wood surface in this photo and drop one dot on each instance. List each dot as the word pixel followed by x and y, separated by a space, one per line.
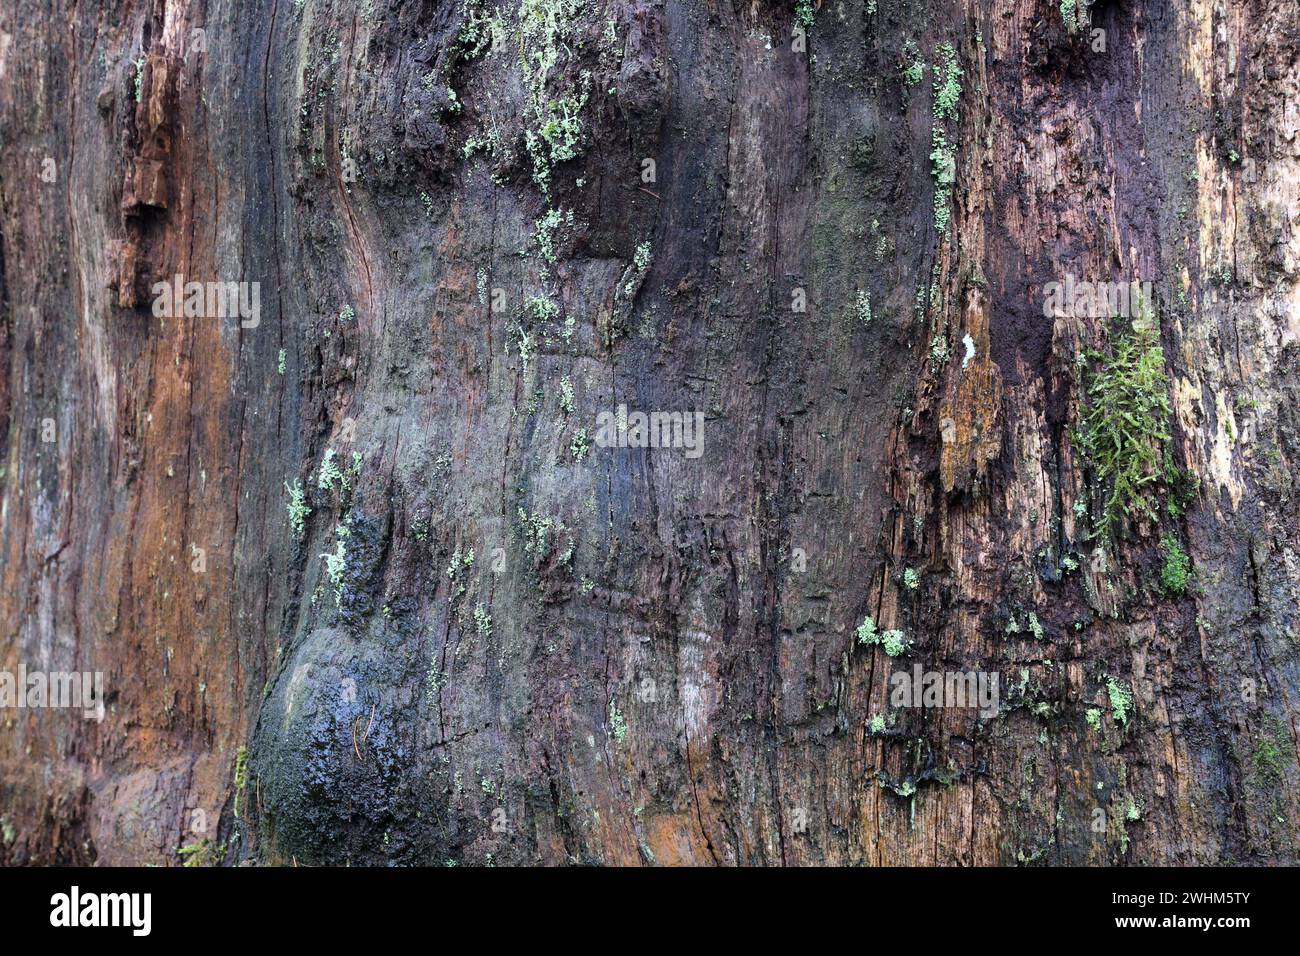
pixel 482 638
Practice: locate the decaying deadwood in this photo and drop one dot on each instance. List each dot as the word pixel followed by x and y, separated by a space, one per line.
pixel 362 582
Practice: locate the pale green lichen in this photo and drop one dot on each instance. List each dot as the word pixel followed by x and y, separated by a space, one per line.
pixel 541 310
pixel 913 66
pixel 1121 701
pixel 336 562
pixel 863 308
pixel 139 77
pixel 480 30
pixel 636 273
pixel 298 507
pixel 482 621
pixel 943 160
pixel 1132 810
pixel 947 83
pixel 939 350
pixel 544 233
pixel 867 633
pixel 579 446
pixel 526 346
pixel 460 562
pixel 617 725
pixel 329 475
pixel 893 641
pixel 1070 15
pixel 554 132
pixel 536 529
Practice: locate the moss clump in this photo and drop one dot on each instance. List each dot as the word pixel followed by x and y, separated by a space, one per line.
pixel 1272 753
pixel 1177 567
pixel 1184 487
pixel 203 853
pixel 241 777
pixel 1125 426
pixel 1093 716
pixel 804 14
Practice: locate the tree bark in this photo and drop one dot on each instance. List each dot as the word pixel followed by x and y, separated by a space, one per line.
pixel 473 228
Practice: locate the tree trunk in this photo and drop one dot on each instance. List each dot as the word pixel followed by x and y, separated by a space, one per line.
pixel 368 575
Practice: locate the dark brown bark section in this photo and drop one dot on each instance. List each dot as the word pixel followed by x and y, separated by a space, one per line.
pixel 669 673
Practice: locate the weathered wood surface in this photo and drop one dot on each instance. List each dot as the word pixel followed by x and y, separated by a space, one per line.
pixel 651 658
